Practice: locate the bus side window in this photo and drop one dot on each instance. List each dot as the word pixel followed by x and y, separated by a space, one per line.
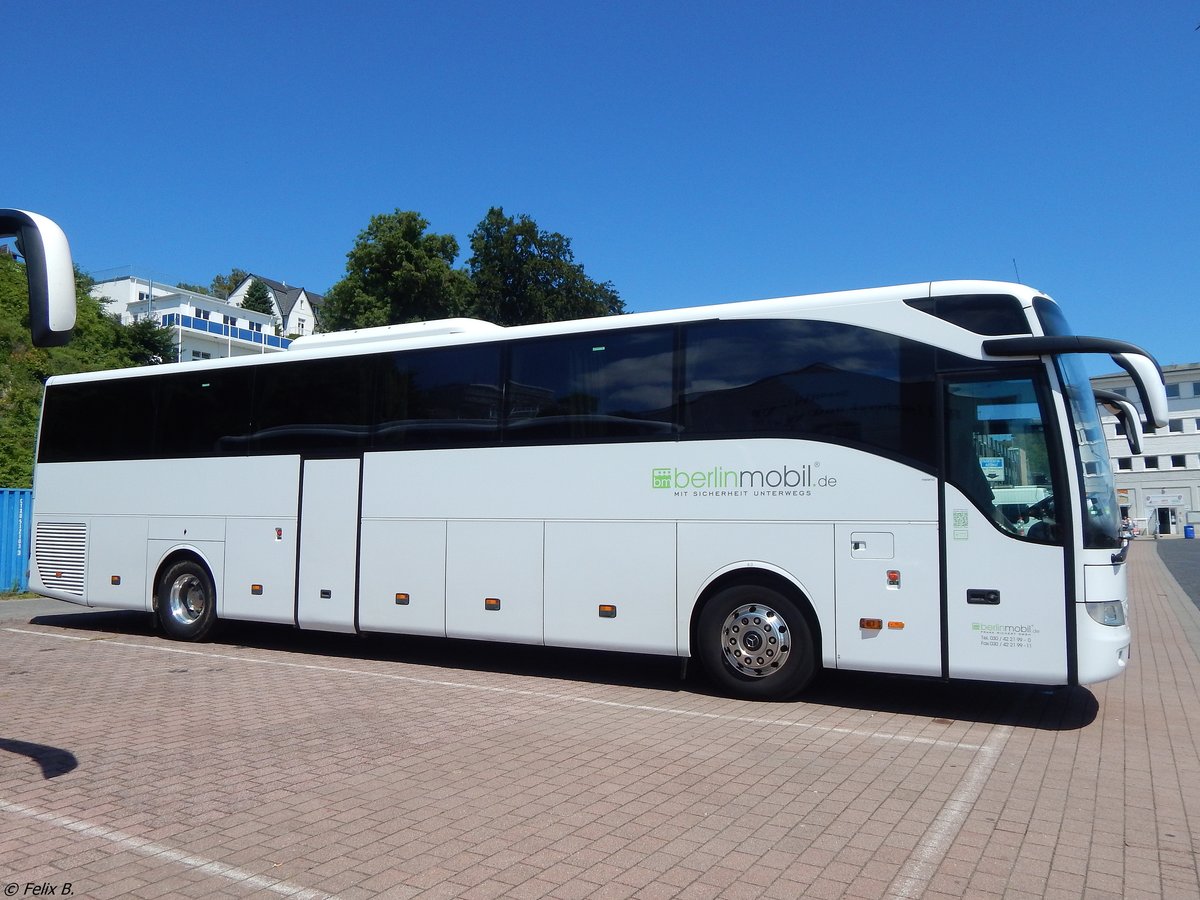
pixel 607 384
pixel 447 397
pixel 996 454
pixel 312 406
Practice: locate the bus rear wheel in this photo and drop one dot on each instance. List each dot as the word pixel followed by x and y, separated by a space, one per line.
pixel 754 642
pixel 187 601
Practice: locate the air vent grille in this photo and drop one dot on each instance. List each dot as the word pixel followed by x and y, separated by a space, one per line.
pixel 60 554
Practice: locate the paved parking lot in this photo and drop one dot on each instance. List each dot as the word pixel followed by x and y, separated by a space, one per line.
pixel 272 761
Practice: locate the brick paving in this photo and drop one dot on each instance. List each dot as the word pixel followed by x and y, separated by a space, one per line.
pixel 304 765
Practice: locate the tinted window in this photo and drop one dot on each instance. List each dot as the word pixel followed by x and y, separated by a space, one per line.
pixel 313 405
pixel 810 379
pixel 99 420
pixel 440 398
pixel 1054 323
pixel 980 313
pixel 203 413
pixel 615 384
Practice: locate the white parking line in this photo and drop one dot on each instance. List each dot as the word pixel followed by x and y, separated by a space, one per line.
pixel 914 878
pixel 519 692
pixel 160 851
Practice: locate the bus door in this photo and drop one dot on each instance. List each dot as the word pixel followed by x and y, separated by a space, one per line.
pixel 1006 596
pixel 329 508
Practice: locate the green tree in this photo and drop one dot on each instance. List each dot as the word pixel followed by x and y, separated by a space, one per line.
pixel 199 289
pixel 224 285
pixel 397 273
pixel 258 298
pixel 99 341
pixel 523 275
pixel 146 343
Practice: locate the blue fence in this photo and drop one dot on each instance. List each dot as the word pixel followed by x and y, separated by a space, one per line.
pixel 15 507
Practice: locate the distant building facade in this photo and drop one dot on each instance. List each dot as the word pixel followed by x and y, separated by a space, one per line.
pixel 1159 490
pixel 297 308
pixel 205 327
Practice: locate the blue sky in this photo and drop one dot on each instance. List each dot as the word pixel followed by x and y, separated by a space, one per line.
pixel 694 152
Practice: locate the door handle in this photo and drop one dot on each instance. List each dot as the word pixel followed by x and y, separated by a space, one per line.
pixel 986 596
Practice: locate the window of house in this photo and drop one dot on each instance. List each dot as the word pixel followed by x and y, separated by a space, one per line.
pixel 301 325
pixel 230 320
pixel 1151 462
pixel 1173 390
pixel 1178 461
pixel 1175 425
pixel 1124 463
pixel 200 354
pixel 203 314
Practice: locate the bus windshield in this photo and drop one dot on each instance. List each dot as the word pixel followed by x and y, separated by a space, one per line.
pixel 1100 513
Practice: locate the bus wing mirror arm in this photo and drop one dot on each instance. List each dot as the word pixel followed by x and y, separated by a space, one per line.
pixel 49 272
pixel 1126 414
pixel 1146 373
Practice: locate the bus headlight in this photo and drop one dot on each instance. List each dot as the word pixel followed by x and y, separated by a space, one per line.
pixel 1110 612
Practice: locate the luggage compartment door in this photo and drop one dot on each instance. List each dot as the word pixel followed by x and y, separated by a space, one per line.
pixel 327 584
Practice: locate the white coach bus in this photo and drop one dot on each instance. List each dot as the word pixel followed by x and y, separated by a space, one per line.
pixel 774 487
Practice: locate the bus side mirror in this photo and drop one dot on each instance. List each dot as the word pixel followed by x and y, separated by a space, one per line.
pixel 49 272
pixel 1148 379
pixel 1126 414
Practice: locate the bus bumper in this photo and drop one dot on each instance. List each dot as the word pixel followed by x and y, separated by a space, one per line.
pixel 1104 650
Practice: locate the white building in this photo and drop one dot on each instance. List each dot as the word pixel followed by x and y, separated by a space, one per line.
pixel 297 308
pixel 205 327
pixel 1159 490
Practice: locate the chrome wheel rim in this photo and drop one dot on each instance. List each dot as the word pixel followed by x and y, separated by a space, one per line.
pixel 756 640
pixel 187 600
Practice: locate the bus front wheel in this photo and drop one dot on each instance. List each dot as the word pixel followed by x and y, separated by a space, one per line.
pixel 754 642
pixel 187 601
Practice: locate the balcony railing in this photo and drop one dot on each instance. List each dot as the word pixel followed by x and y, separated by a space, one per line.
pixel 220 329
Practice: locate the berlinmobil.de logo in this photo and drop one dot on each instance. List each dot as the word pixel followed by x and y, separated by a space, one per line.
pixel 723 481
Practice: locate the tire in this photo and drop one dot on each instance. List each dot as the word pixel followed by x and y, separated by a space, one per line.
pixel 187 601
pixel 755 643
